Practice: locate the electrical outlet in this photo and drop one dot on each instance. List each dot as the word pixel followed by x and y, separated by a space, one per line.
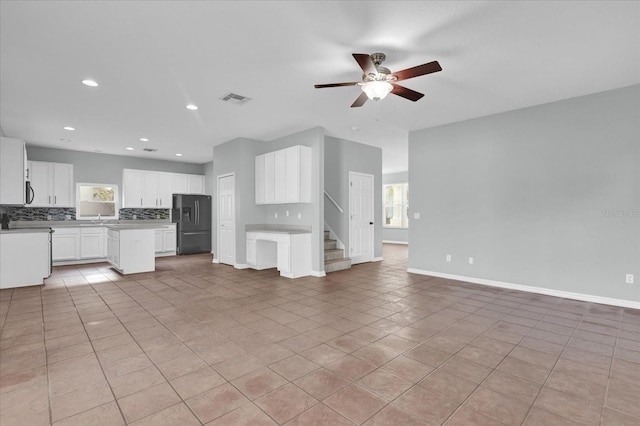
pixel 299 215
pixel 287 213
pixel 629 278
pixel 275 215
pixel 448 257
pixel 48 217
pixel 135 217
pixel 471 261
pixel 416 215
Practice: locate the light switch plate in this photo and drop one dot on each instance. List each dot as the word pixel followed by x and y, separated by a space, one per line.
pixel 416 215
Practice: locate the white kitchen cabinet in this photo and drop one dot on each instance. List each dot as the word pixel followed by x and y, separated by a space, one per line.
pixel 92 243
pixel 289 252
pixel 24 256
pixel 13 165
pixel 149 189
pixel 66 244
pixel 52 184
pixel 165 240
pixel 179 183
pixel 196 184
pixel 284 176
pixel 131 250
pixel 132 188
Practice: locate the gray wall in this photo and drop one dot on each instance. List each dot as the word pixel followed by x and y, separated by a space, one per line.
pixel 527 193
pixel 341 157
pixel 395 234
pixel 237 156
pixel 92 167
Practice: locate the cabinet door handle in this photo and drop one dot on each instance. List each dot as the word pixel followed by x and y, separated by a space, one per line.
pixel 49 199
pixel 140 202
pixel 55 199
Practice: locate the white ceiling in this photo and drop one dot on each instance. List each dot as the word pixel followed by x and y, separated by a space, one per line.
pixel 152 58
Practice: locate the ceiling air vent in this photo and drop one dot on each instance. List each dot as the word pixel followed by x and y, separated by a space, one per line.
pixel 150 149
pixel 235 99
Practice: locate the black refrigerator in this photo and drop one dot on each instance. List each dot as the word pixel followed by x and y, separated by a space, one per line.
pixel 192 216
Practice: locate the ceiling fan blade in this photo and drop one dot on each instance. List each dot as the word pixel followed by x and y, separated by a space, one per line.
pixel 365 63
pixel 412 95
pixel 322 86
pixel 417 71
pixel 360 101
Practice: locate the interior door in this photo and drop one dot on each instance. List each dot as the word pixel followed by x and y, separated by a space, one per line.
pixel 361 229
pixel 226 220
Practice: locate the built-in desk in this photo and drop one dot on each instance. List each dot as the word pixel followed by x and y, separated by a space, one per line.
pixel 287 248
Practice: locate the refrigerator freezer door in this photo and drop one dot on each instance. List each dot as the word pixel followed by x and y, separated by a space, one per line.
pixel 194 242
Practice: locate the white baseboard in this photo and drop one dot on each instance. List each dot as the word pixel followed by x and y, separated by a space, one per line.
pixel 241 266
pixel 215 260
pixel 319 274
pixel 531 289
pixel 395 242
pixel 378 259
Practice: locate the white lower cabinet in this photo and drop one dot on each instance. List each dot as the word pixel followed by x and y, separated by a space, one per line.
pixel 84 244
pixel 166 240
pixel 290 253
pixel 24 257
pixel 65 244
pixel 92 243
pixel 131 251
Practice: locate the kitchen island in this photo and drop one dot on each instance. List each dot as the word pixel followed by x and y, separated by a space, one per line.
pixel 25 256
pixel 285 247
pixel 131 248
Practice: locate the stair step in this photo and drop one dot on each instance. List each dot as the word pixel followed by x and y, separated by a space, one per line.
pixel 332 254
pixel 337 265
pixel 326 235
pixel 329 244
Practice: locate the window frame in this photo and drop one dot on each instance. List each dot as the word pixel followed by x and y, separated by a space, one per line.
pixel 404 205
pixel 116 201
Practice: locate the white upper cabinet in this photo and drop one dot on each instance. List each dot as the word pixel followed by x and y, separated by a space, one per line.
pixel 132 188
pixel 52 184
pixel 284 176
pixel 179 183
pixel 13 159
pixel 148 189
pixel 196 184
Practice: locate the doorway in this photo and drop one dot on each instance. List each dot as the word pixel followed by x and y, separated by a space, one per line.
pixel 361 214
pixel 226 219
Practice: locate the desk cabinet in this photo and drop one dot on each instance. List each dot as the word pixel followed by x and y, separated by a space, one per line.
pixel 290 253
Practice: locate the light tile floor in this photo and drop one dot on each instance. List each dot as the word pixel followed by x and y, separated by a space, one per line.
pixel 196 343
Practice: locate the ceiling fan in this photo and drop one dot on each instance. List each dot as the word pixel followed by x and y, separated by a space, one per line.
pixel 378 81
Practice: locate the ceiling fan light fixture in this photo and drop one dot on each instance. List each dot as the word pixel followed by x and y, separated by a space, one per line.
pixel 377 89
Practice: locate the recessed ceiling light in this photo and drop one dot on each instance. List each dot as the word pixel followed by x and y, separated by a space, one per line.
pixel 178 155
pixel 129 148
pixel 192 107
pixel 90 83
pixel 355 128
pixel 68 128
pixel 144 139
pixel 65 140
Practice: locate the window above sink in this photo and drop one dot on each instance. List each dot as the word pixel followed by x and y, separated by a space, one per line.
pixel 96 201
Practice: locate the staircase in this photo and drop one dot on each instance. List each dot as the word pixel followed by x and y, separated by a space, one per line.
pixel 334 259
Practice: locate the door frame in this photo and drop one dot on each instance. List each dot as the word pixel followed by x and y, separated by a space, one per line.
pixel 372 207
pixel 216 258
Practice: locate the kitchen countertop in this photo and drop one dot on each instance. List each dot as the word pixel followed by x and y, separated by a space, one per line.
pixel 21 224
pixel 133 226
pixel 25 230
pixel 279 229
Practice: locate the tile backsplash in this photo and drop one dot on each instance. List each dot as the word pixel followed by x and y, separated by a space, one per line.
pixel 144 214
pixel 39 213
pixel 54 213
